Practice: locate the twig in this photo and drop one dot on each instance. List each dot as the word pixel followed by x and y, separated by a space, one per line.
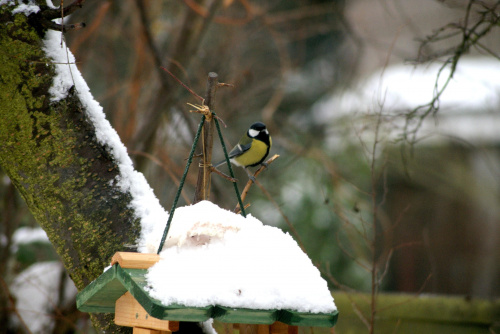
pixel 250 182
pixel 203 12
pixel 54 13
pixel 62 27
pixel 183 85
pixel 223 84
pixel 416 295
pixel 287 221
pixel 12 301
pixel 351 256
pixel 155 52
pixel 268 195
pixel 470 36
pixel 345 288
pixel 97 20
pixel 46 16
pixel 374 241
pixel 204 110
pixel 279 92
pixel 184 48
pixel 227 177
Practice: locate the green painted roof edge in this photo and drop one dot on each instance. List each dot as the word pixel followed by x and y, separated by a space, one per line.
pixel 92 298
pixel 100 296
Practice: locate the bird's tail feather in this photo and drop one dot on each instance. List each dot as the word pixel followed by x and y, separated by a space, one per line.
pixel 220 163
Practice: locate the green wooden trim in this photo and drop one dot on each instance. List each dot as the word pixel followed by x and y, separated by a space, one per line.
pixel 308 319
pixel 100 297
pixel 244 316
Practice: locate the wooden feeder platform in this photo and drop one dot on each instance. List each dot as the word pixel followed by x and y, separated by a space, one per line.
pixel 122 290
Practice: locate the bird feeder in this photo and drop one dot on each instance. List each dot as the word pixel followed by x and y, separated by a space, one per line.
pixel 122 289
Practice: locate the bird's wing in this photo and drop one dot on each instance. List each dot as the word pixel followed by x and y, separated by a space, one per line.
pixel 243 145
pixel 239 150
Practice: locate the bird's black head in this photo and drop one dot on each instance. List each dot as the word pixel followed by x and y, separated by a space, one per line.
pixel 259 131
pixel 258 126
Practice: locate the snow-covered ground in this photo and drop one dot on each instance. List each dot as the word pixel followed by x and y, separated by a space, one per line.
pixel 27 235
pixel 36 291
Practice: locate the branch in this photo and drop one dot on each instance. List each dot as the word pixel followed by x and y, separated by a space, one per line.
pixel 227 177
pixel 55 13
pixel 49 14
pixel 62 27
pixel 471 33
pixel 250 182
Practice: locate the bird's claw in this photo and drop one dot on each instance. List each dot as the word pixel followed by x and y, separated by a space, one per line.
pixel 250 176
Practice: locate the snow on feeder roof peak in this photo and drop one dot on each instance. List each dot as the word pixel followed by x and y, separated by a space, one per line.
pixel 216 257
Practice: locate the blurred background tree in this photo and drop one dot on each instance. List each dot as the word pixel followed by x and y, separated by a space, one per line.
pixel 286 59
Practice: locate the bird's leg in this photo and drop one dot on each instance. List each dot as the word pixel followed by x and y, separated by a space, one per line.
pixel 250 176
pixel 265 164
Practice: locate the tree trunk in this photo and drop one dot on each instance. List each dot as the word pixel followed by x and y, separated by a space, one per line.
pixel 51 153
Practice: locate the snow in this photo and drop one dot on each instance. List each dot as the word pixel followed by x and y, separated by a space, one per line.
pixel 468 106
pixel 26 235
pixel 144 203
pixel 7 2
pixel 208 327
pixel 26 9
pixel 36 291
pixel 216 257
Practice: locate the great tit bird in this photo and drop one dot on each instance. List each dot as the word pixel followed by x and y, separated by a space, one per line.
pixel 252 148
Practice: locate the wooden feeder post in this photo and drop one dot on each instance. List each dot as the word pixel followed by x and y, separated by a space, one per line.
pixel 202 191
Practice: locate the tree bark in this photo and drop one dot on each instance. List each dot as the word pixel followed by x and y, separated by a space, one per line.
pixel 51 153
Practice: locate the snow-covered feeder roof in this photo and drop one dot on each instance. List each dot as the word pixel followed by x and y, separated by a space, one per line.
pixel 217 264
pixel 468 107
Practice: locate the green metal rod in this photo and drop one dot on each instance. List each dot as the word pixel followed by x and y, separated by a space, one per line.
pixel 181 184
pixel 229 165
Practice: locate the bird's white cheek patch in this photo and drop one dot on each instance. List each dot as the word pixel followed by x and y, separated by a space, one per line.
pixel 253 133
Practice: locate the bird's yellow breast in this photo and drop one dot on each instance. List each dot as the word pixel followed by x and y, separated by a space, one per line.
pixel 254 155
